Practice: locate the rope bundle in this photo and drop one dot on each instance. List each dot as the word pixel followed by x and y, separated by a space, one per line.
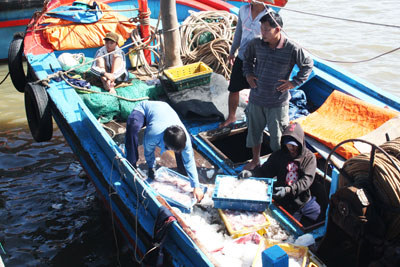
pixel 385 181
pixel 139 45
pixel 219 26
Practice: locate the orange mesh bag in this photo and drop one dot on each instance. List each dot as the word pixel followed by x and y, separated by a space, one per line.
pixel 344 117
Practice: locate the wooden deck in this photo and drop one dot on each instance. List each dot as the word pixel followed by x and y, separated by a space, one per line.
pixel 117 131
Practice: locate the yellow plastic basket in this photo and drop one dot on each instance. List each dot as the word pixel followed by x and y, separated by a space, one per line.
pixel 260 229
pixel 189 76
pixel 299 252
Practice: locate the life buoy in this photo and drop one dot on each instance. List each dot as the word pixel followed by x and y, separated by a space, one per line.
pixel 38 112
pixel 15 57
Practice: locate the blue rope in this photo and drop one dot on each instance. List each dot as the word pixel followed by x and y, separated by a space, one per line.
pixel 2 249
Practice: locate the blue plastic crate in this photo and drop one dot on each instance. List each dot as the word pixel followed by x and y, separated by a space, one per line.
pixel 173 202
pixel 242 204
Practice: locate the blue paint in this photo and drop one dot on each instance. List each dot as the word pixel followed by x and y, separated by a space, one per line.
pixel 274 257
pixel 285 221
pixel 2 249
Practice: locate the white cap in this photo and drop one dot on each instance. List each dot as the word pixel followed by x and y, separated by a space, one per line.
pixel 293 143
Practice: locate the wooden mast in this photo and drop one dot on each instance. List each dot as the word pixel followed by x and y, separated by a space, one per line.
pixel 172 39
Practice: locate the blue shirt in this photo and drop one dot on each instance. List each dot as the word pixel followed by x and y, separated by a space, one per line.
pixel 159 116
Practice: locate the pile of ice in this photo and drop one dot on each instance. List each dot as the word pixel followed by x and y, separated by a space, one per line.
pixel 251 189
pixel 209 228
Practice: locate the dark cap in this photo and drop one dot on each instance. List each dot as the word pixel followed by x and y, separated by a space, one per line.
pixel 112 36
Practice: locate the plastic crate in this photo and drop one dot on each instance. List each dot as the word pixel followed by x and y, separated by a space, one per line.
pixel 189 76
pixel 242 204
pixel 174 202
pixel 260 228
pixel 294 251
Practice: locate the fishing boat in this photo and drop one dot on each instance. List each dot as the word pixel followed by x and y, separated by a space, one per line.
pixel 125 192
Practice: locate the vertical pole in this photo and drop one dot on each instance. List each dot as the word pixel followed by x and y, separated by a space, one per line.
pixel 172 39
pixel 145 26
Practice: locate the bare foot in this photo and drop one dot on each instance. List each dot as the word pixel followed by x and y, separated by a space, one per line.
pixel 112 91
pixel 228 121
pixel 251 165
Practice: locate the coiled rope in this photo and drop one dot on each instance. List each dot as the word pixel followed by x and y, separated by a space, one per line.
pixel 384 178
pixel 220 24
pixel 139 45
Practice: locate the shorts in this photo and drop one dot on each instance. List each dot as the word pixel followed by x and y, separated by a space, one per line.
pixel 258 117
pixel 238 82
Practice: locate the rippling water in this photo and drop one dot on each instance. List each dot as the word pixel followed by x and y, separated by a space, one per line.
pixel 348 41
pixel 49 216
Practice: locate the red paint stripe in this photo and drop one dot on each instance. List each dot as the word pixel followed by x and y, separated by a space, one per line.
pixel 195 4
pixel 13 23
pixel 217 4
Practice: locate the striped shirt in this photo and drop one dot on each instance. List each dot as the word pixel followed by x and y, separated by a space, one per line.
pixel 271 65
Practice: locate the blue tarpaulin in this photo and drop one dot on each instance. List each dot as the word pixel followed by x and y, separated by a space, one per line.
pixel 297 104
pixel 78 12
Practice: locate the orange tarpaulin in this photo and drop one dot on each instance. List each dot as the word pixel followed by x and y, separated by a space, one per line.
pixel 343 117
pixel 65 35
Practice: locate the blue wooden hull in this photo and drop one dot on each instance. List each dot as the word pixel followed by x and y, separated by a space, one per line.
pixel 12 21
pixel 130 199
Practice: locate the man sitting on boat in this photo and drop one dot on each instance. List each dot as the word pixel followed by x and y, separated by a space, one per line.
pixel 294 165
pixel 165 130
pixel 110 65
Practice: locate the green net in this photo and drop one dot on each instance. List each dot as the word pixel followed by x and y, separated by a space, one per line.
pixel 107 107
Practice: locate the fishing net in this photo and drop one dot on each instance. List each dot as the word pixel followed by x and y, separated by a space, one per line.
pixel 107 107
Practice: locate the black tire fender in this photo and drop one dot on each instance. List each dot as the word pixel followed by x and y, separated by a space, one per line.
pixel 38 112
pixel 15 58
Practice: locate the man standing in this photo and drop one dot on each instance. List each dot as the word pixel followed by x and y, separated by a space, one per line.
pixel 294 165
pixel 165 130
pixel 268 63
pixel 247 28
